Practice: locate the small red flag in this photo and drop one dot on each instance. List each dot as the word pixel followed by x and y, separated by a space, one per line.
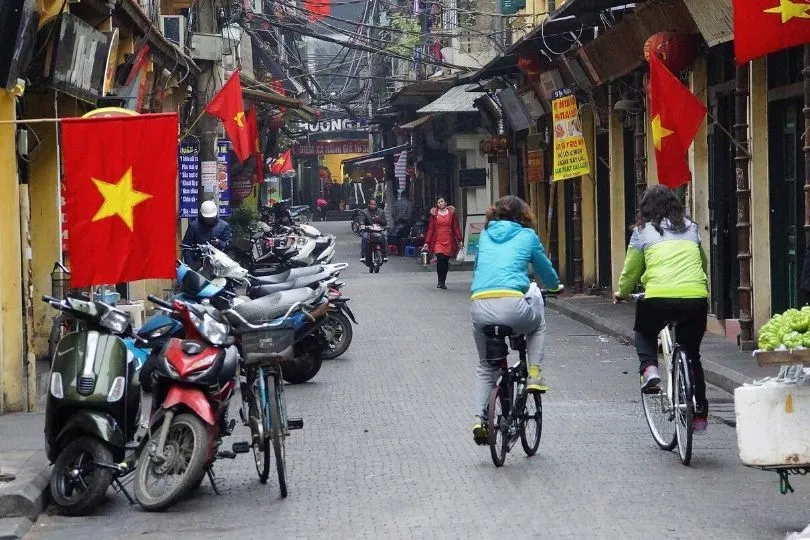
pixel 256 146
pixel 765 26
pixel 676 115
pixel 228 106
pixel 316 9
pixel 283 164
pixel 121 200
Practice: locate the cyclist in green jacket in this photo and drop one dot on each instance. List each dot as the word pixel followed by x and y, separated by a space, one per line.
pixel 666 257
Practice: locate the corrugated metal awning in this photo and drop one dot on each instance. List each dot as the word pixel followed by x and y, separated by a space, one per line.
pixel 459 99
pixel 416 123
pixel 714 19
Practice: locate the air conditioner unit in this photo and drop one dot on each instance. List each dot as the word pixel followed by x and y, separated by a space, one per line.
pixel 174 28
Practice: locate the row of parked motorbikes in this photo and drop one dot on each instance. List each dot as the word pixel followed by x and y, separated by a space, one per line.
pixel 223 320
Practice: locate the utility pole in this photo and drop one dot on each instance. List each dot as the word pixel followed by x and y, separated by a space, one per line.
pixel 206 129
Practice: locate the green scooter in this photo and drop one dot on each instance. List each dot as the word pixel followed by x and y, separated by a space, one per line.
pixel 93 408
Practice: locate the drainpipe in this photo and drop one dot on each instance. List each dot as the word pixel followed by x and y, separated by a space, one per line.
pixel 742 161
pixel 640 148
pixel 806 110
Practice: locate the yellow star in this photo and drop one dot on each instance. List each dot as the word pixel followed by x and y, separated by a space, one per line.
pixel 659 131
pixel 789 10
pixel 240 119
pixel 119 199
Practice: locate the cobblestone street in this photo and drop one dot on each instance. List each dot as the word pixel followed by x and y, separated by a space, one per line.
pixel 387 452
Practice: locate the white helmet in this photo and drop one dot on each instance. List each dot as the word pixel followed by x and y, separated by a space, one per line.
pixel 209 209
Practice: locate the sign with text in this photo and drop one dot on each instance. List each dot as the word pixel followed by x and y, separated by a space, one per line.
pixel 472 178
pixel 534 166
pixel 333 147
pixel 335 124
pixel 188 170
pixel 570 153
pixel 223 187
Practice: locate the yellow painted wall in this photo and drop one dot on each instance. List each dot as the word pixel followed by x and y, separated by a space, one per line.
pixel 617 224
pixel 562 255
pixel 12 378
pixel 588 208
pixel 332 162
pixel 760 197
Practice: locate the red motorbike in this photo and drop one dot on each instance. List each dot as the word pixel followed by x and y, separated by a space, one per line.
pixel 193 382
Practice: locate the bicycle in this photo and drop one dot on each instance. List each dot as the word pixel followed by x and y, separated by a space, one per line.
pixel 507 422
pixel 676 402
pixel 263 393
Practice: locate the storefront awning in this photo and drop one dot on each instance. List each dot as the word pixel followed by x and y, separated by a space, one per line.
pixel 375 155
pixel 416 123
pixel 581 7
pixel 460 99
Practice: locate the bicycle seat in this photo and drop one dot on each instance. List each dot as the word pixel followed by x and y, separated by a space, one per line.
pixel 498 330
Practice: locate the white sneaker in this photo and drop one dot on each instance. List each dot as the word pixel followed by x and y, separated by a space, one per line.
pixel 650 380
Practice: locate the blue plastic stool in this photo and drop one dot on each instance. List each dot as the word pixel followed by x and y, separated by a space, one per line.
pixel 410 251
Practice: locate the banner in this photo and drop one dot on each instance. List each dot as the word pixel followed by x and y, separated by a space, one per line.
pixel 223 187
pixel 188 170
pixel 570 153
pixel 334 147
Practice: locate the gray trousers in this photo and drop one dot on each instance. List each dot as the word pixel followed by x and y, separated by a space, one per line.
pixel 525 316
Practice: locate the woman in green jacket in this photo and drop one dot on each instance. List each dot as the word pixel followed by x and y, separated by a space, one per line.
pixel 666 257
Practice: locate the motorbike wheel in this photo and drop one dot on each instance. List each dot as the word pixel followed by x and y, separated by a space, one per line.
pixel 183 461
pixel 370 261
pixel 306 364
pixel 79 496
pixel 339 329
pixel 356 227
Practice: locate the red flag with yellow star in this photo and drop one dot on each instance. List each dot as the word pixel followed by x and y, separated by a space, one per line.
pixel 256 145
pixel 765 26
pixel 228 106
pixel 283 164
pixel 120 197
pixel 676 114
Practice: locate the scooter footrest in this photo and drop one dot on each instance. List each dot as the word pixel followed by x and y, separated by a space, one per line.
pixel 231 426
pixel 295 423
pixel 241 447
pixel 224 454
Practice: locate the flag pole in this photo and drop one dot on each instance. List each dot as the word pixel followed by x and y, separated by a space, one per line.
pixel 194 123
pixel 31 121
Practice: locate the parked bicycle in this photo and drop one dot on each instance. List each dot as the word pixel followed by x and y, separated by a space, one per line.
pixel 512 412
pixel 672 401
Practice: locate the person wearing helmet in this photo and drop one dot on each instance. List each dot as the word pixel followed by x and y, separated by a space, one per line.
pixel 208 228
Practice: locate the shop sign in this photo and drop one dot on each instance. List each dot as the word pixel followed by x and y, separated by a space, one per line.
pixel 189 173
pixel 335 147
pixel 223 188
pixel 570 153
pixel 334 124
pixel 79 64
pixel 534 166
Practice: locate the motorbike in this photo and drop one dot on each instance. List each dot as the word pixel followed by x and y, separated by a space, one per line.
pixel 337 329
pixel 374 247
pixel 93 406
pixel 313 247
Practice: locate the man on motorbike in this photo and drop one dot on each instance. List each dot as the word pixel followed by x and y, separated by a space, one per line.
pixel 372 216
pixel 208 228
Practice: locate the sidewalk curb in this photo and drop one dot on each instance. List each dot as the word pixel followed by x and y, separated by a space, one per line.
pixel 14 528
pixel 724 378
pixel 21 505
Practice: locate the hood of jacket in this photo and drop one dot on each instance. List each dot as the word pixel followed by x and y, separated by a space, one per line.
pixel 502 231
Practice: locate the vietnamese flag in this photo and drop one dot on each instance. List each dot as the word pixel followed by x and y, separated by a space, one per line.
pixel 256 145
pixel 676 115
pixel 121 200
pixel 228 106
pixel 283 164
pixel 316 9
pixel 765 26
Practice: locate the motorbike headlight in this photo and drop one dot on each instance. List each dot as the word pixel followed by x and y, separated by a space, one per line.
pixel 159 332
pixel 115 321
pixel 215 332
pixel 56 385
pixel 302 241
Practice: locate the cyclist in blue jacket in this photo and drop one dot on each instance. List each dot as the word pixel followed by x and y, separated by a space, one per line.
pixel 506 246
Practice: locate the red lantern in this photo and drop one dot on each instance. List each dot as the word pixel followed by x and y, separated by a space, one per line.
pixel 676 51
pixel 532 66
pixel 485 147
pixel 277 122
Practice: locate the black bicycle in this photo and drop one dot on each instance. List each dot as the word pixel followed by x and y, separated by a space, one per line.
pixel 513 412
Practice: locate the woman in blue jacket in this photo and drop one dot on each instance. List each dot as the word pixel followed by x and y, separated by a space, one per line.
pixel 506 246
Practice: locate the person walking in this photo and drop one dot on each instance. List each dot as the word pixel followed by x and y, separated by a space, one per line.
pixel 443 238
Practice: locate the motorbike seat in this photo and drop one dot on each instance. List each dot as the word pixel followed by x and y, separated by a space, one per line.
pixel 322 242
pixel 275 305
pixel 305 281
pixel 286 276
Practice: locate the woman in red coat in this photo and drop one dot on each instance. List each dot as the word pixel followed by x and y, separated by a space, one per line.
pixel 443 237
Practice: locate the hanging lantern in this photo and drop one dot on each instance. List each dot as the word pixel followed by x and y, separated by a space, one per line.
pixel 676 51
pixel 532 66
pixel 277 122
pixel 485 147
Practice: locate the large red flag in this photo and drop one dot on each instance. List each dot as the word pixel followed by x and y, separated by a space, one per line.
pixel 676 115
pixel 228 106
pixel 765 26
pixel 316 9
pixel 121 200
pixel 283 164
pixel 256 146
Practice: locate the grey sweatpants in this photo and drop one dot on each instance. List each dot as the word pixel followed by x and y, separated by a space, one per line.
pixel 525 316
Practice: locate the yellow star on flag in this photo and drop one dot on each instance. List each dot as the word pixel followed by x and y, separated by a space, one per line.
pixel 659 132
pixel 119 199
pixel 240 119
pixel 790 10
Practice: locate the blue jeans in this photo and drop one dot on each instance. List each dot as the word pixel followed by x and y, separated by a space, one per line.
pixel 364 245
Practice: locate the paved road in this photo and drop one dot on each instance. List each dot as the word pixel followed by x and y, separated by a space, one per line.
pixel 386 451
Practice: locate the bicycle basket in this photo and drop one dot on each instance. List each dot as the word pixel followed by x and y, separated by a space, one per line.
pixel 267 346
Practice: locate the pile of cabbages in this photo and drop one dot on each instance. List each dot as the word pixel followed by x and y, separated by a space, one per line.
pixel 790 330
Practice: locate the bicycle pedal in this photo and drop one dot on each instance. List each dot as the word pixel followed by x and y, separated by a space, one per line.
pixel 295 423
pixel 230 428
pixel 240 447
pixel 225 454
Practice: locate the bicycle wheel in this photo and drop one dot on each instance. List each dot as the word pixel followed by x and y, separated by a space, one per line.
pixel 258 421
pixel 658 409
pixel 498 425
pixel 684 407
pixel 278 428
pixel 531 423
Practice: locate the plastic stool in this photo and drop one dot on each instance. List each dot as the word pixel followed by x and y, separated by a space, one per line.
pixel 392 249
pixel 410 251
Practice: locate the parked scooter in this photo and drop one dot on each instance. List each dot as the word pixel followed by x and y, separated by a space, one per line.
pixel 93 407
pixel 337 330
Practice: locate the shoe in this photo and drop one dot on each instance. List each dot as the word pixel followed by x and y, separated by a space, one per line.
pixel 535 381
pixel 442 286
pixel 700 425
pixel 650 380
pixel 480 431
pixel 385 259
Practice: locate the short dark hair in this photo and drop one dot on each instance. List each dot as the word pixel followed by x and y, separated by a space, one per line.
pixel 659 203
pixel 511 208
